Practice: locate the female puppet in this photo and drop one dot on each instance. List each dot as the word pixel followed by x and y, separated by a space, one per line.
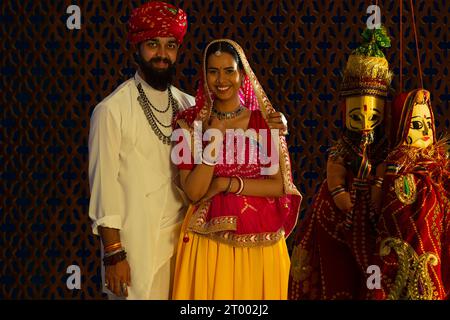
pixel 334 243
pixel 413 228
pixel 232 243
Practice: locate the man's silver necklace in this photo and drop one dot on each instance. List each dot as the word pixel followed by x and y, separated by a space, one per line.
pixel 152 119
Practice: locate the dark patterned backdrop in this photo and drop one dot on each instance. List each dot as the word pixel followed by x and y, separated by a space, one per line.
pixel 52 77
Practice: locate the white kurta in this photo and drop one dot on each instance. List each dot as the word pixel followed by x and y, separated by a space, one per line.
pixel 132 182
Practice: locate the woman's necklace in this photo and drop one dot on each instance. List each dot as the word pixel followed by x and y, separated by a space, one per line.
pixel 227 115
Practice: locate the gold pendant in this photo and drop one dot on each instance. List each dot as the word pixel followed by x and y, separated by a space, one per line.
pixel 405 188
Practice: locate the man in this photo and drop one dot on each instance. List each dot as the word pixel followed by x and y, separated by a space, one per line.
pixel 135 205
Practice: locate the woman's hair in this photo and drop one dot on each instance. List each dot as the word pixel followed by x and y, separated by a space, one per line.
pixel 222 46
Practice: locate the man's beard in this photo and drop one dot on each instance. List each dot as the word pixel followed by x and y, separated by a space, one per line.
pixel 157 78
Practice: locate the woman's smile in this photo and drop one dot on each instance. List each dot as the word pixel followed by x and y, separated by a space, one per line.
pixel 222 89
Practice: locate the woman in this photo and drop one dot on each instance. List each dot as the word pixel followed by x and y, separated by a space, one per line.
pixel 413 230
pixel 232 245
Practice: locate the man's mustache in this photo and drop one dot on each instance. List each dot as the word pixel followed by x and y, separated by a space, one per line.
pixel 160 59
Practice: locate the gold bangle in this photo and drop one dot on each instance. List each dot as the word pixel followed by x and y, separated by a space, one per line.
pixel 113 246
pixel 241 185
pixel 337 190
pixel 111 253
pixel 378 182
pixel 229 186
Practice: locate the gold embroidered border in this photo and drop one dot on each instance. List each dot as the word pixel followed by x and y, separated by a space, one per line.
pixel 247 240
pixel 412 269
pixel 222 229
pixel 222 223
pixel 198 219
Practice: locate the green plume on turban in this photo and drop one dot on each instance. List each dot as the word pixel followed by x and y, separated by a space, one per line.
pixel 374 40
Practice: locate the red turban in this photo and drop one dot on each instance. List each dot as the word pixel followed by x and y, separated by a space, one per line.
pixel 156 19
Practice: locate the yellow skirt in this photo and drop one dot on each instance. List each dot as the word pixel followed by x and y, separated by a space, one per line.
pixel 210 270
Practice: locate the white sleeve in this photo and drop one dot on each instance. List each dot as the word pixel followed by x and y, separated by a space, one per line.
pixel 185 101
pixel 106 205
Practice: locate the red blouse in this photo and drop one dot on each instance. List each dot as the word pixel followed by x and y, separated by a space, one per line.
pixel 246 215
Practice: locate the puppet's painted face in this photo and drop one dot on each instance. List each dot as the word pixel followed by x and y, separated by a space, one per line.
pixel 420 132
pixel 363 113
